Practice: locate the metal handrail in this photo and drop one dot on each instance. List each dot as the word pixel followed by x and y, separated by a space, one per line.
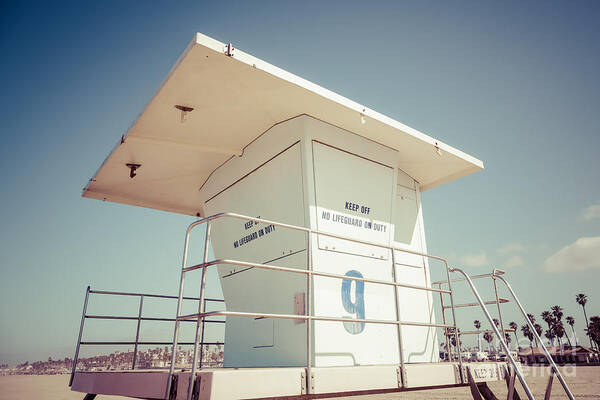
pixel 312 231
pixel 483 331
pixel 137 318
pixel 160 296
pixel 534 332
pixel 309 273
pixel 496 272
pixel 501 300
pixel 309 318
pixel 496 331
pixel 306 272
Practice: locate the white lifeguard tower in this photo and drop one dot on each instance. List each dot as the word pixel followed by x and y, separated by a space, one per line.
pixel 312 204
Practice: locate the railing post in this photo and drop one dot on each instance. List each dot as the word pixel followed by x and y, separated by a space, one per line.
pixel 137 333
pixel 456 336
pixel 308 312
pixel 200 310
pixel 76 356
pixel 499 310
pixel 178 312
pixel 202 339
pixel 444 322
pixel 399 323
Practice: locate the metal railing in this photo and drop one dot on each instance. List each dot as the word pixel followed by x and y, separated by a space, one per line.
pixel 537 337
pixel 497 274
pixel 495 329
pixel 497 301
pixel 139 318
pixel 202 316
pixel 449 329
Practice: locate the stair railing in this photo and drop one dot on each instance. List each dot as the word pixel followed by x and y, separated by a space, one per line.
pixel 545 350
pixel 496 331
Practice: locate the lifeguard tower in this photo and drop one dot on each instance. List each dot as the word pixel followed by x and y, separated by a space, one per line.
pixel 311 204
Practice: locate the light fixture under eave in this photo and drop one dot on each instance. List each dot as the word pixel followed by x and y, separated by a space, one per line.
pixel 437 149
pixel 184 110
pixel 132 168
pixel 362 117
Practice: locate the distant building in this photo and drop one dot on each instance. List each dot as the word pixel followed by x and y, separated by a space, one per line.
pixel 560 355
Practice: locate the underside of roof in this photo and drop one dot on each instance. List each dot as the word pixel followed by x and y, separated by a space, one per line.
pixel 214 102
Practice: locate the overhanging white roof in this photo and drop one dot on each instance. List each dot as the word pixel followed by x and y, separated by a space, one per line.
pixel 236 97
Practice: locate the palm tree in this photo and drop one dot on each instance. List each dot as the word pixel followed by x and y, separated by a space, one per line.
pixel 488 337
pixel 507 337
pixel 477 325
pixel 531 319
pixel 513 325
pixel 549 320
pixel 571 321
pixel 557 312
pixel 557 325
pixel 528 334
pixel 581 299
pixel 547 317
pixel 559 331
pixel 594 330
pixel 453 339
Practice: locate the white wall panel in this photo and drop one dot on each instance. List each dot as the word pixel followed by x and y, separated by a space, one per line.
pixel 415 305
pixel 272 191
pixel 353 198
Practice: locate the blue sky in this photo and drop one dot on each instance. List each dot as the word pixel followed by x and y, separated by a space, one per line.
pixel 514 84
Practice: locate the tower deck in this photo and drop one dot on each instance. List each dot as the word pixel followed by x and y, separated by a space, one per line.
pixel 251 383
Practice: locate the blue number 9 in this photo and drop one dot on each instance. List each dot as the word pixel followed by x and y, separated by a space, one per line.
pixel 358 307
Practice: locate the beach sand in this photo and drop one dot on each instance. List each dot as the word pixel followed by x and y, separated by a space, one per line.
pixel 584 382
pixel 42 387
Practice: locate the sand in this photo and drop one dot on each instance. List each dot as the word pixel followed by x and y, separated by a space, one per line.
pixel 41 387
pixel 584 382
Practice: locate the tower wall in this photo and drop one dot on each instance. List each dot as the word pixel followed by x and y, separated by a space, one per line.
pixel 306 172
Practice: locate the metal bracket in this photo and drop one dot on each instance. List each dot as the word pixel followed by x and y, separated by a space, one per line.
pixel 229 50
pixel 299 307
pixel 184 111
pixel 303 382
pixel 401 377
pixel 173 389
pixel 132 167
